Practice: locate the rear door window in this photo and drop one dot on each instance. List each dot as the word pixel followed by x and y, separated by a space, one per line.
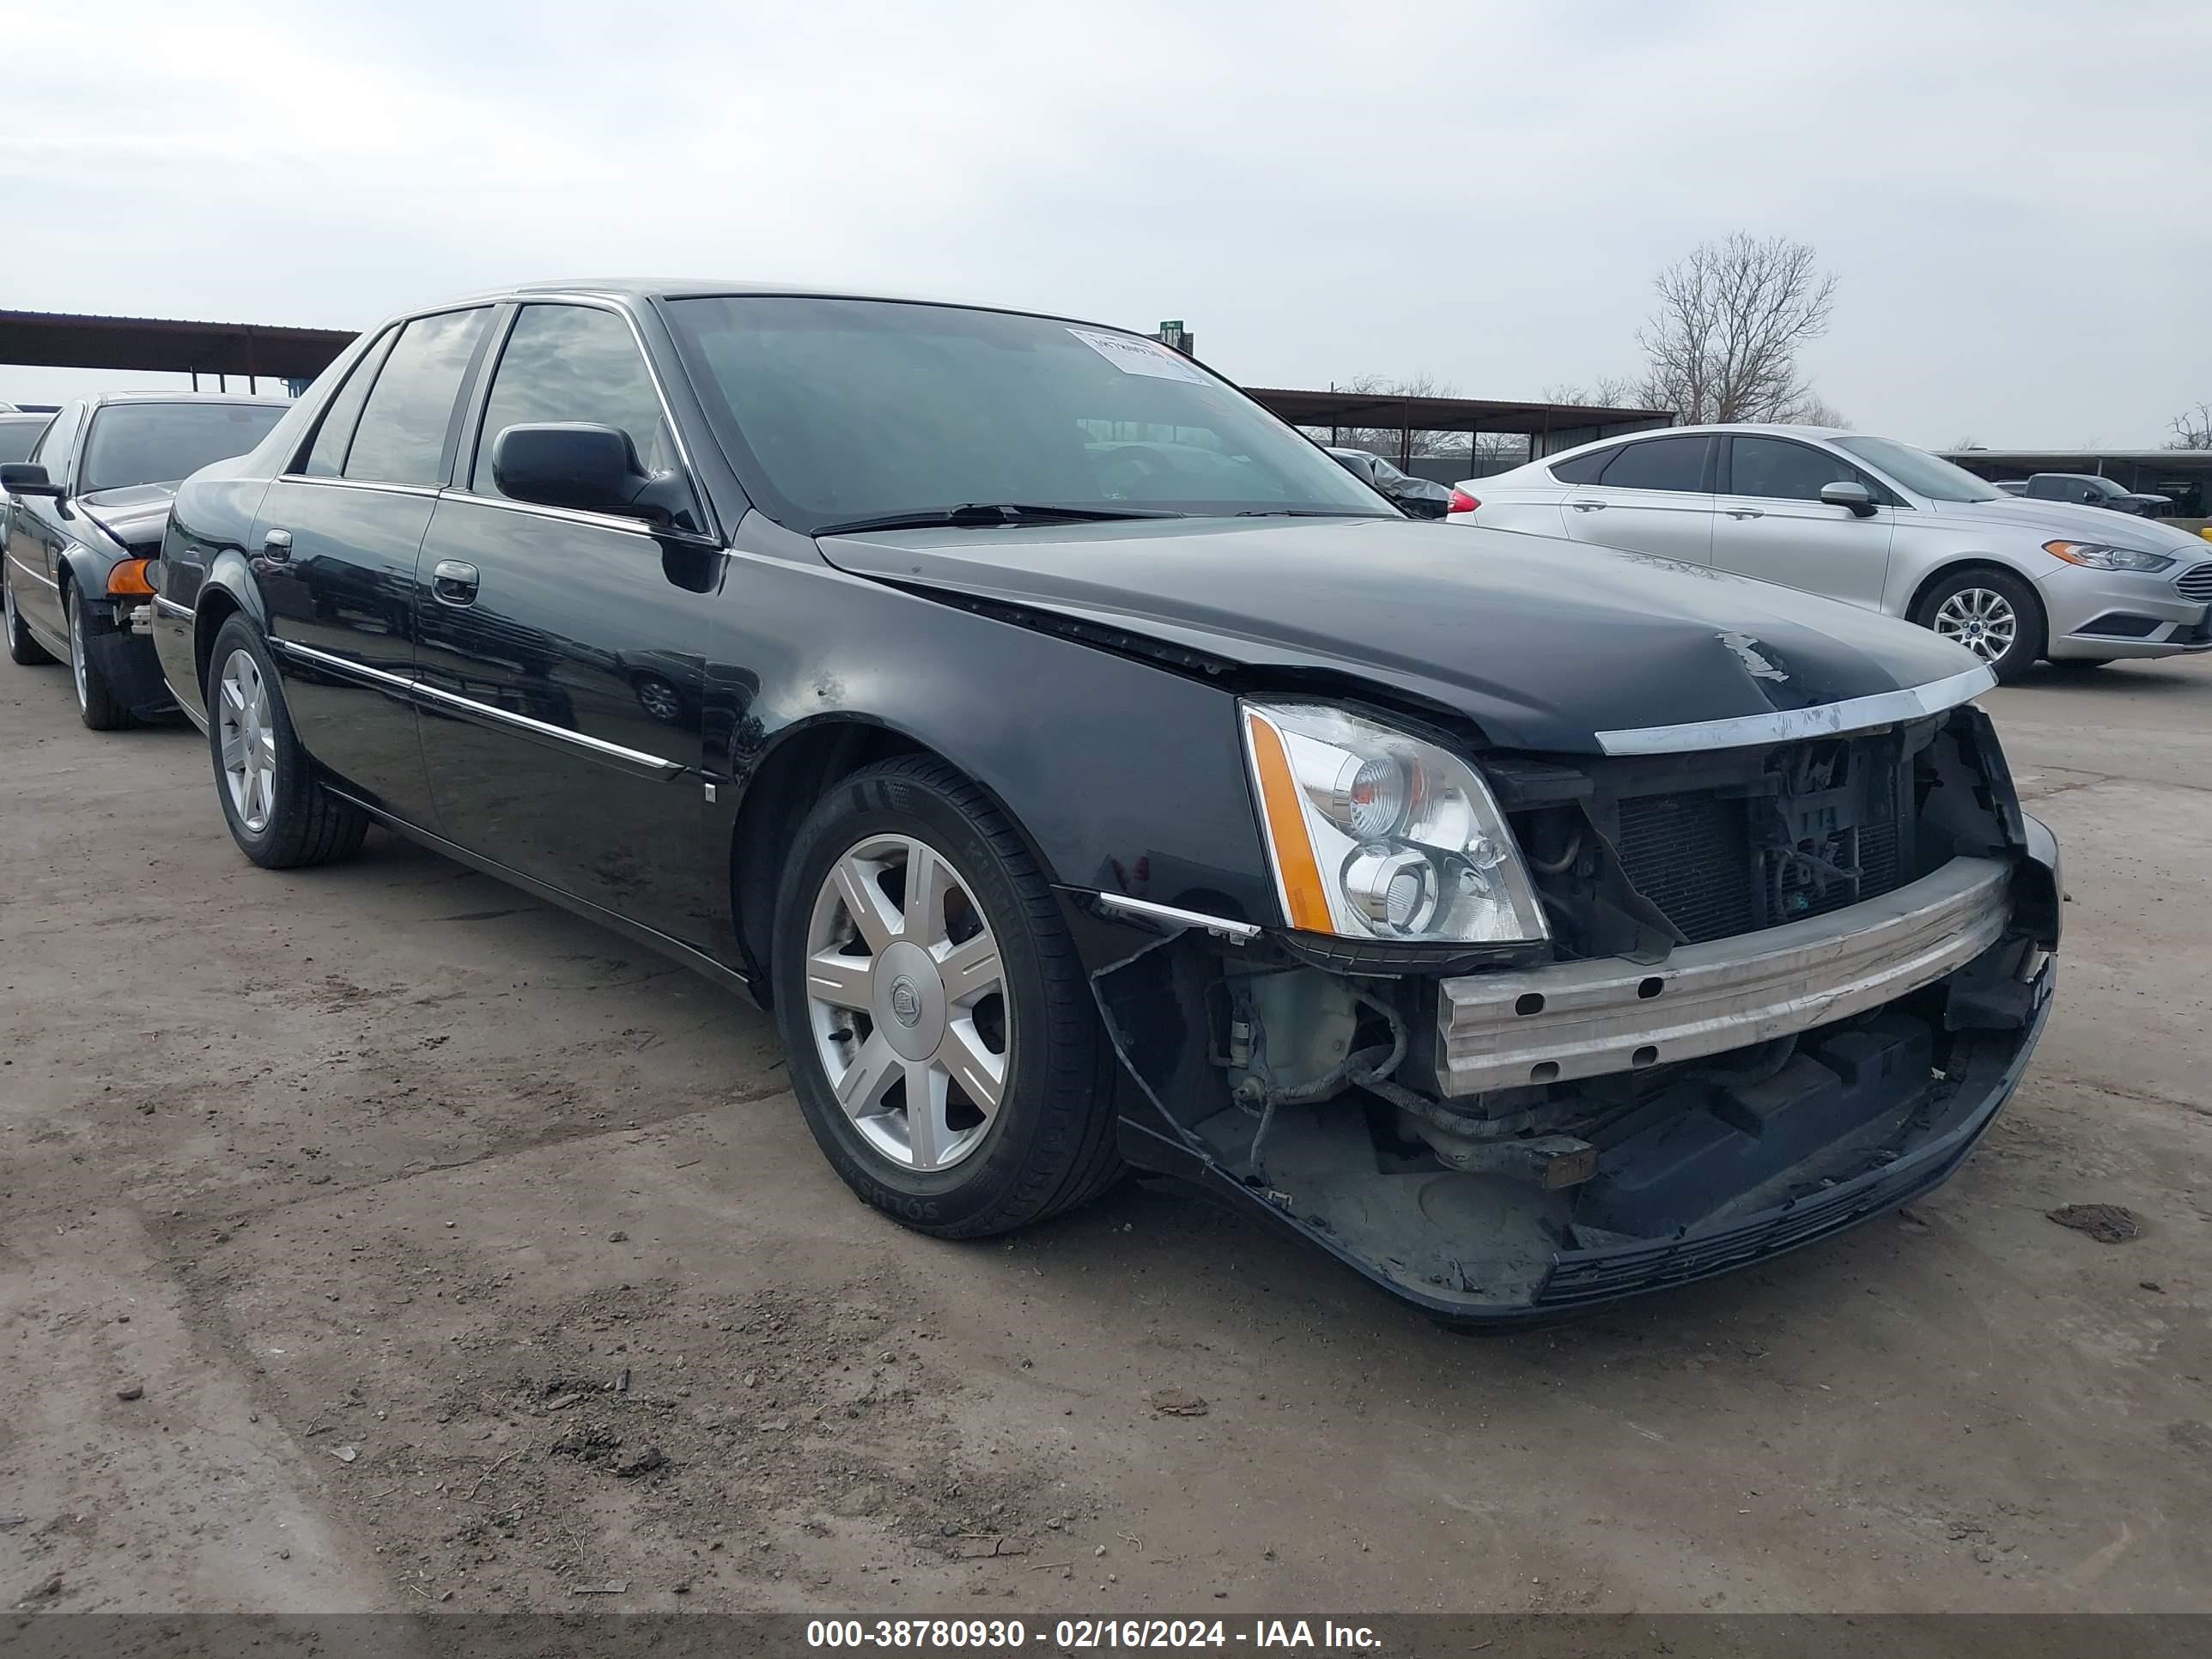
pixel 326 456
pixel 1658 463
pixel 1582 469
pixel 401 438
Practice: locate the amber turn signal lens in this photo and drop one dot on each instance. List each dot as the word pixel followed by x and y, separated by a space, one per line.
pixel 128 579
pixel 1303 896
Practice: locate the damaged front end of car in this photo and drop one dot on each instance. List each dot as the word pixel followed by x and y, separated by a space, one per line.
pixel 1548 1029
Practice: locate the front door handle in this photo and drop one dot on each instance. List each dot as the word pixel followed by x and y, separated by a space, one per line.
pixel 1587 506
pixel 1746 512
pixel 276 545
pixel 453 582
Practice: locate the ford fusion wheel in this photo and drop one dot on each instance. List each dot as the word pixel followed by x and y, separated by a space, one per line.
pixel 1991 613
pixel 279 810
pixel 944 1044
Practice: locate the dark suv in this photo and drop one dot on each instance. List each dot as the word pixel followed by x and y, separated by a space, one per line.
pixel 1091 772
pixel 2087 489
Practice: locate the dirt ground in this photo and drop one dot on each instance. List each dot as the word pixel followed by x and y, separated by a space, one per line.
pixel 467 1258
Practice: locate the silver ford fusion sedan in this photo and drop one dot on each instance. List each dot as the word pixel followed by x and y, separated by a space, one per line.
pixel 1879 523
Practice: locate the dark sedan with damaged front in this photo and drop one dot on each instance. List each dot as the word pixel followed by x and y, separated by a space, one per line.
pixel 1090 773
pixel 86 511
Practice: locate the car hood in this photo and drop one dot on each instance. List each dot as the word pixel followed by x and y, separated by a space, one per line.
pixel 1543 643
pixel 133 514
pixel 2047 519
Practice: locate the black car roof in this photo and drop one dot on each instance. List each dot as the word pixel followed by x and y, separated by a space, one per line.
pixel 183 398
pixel 681 288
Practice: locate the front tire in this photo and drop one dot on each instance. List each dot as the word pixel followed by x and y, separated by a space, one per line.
pixel 1993 613
pixel 22 648
pixel 280 814
pixel 942 1041
pixel 95 703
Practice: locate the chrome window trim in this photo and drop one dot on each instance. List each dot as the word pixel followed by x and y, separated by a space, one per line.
pixel 170 608
pixel 603 302
pixel 430 491
pixel 566 514
pixel 1790 724
pixel 36 575
pixel 600 747
pixel 1136 907
pixel 344 664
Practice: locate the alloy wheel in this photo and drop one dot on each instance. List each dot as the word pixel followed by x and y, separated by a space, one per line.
pixel 1980 619
pixel 76 652
pixel 249 741
pixel 907 1001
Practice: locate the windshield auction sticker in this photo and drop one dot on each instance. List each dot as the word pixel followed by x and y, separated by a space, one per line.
pixel 1135 357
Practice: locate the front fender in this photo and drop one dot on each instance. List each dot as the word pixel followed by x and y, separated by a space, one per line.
pixel 86 566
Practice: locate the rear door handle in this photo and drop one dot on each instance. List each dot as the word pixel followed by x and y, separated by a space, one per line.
pixel 276 545
pixel 1587 506
pixel 453 582
pixel 1746 512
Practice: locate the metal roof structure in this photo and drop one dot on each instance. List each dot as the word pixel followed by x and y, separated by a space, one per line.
pixel 48 339
pixel 63 340
pixel 1549 427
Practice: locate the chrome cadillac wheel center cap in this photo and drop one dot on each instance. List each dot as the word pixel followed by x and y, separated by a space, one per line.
pixel 909 999
pixel 905 1002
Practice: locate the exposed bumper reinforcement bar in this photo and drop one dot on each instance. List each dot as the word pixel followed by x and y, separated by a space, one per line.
pixel 1587 1018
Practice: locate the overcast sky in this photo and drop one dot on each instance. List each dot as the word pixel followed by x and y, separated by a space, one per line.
pixel 2016 199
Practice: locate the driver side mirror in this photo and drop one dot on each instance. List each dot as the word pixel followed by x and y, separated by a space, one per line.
pixel 27 478
pixel 590 468
pixel 1853 495
pixel 574 464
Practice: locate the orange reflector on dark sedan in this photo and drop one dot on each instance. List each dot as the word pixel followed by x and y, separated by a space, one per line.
pixel 128 579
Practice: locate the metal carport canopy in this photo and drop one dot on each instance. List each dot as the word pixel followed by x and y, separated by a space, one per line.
pixel 47 339
pixel 1549 427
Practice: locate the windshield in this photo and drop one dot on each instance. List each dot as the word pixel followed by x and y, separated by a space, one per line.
pixel 1919 472
pixel 16 437
pixel 859 408
pixel 167 443
pixel 2104 486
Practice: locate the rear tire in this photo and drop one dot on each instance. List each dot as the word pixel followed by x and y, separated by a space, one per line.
pixel 22 648
pixel 1993 613
pixel 95 703
pixel 852 1001
pixel 280 814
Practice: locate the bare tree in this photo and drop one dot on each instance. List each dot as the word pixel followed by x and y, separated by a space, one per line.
pixel 1607 391
pixel 1819 412
pixel 2192 428
pixel 1733 316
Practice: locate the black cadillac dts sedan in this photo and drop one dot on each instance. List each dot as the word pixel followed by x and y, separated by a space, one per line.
pixel 1089 772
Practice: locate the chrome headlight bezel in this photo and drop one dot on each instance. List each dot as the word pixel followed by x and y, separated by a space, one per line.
pixel 1377 834
pixel 2104 556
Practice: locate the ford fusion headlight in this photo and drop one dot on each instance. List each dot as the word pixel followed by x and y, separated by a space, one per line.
pixel 1376 835
pixel 2098 557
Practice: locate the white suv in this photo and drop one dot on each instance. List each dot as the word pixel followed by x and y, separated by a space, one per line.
pixel 1880 524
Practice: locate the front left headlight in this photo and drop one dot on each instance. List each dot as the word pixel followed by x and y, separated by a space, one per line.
pixel 1377 835
pixel 2099 556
